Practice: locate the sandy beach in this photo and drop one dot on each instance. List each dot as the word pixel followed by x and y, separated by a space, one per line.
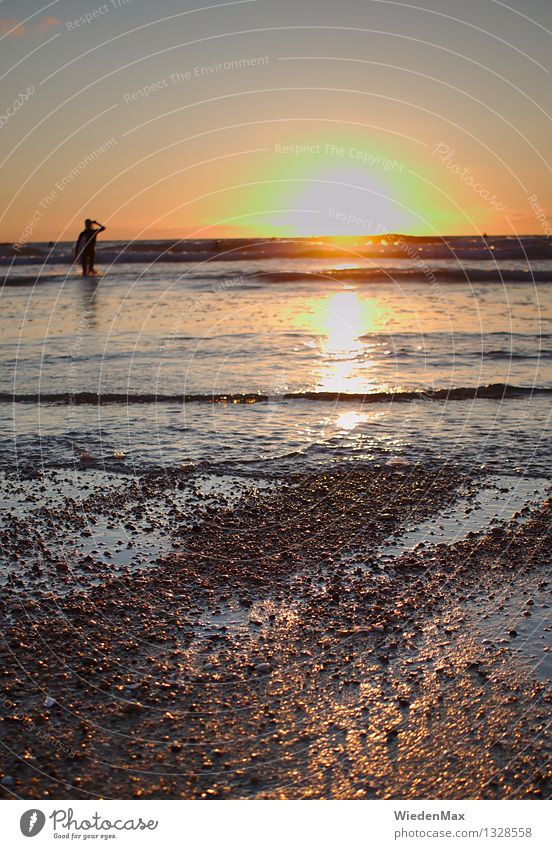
pixel 285 644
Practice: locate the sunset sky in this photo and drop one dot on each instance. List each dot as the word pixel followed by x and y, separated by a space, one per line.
pixel 261 118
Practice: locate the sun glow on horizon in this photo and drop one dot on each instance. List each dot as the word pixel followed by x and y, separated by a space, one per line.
pixel 349 184
pixel 341 202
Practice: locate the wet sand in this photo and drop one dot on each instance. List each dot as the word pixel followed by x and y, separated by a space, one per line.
pixel 190 635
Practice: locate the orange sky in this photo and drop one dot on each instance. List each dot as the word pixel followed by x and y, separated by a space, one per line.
pixel 257 119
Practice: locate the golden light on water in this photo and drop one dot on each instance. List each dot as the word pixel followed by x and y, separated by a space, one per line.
pixel 341 320
pixel 350 419
pixel 344 324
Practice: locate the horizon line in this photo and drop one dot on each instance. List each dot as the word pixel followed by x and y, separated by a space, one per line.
pixel 378 236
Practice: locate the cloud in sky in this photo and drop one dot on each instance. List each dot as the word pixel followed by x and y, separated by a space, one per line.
pixel 12 28
pixel 15 29
pixel 47 23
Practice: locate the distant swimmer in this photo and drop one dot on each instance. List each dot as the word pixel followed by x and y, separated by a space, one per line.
pixel 85 248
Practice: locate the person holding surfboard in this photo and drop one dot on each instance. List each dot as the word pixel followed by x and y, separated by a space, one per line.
pixel 85 248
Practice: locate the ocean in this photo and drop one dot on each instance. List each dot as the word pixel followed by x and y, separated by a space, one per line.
pixel 252 355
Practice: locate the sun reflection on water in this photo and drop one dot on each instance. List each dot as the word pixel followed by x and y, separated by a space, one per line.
pixel 342 320
pixel 350 419
pixel 344 324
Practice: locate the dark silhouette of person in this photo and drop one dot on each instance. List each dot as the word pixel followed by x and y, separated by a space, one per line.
pixel 85 248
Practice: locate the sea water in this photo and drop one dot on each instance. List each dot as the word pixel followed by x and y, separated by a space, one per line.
pixel 278 355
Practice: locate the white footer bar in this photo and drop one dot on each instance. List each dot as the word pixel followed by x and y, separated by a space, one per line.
pixel 266 824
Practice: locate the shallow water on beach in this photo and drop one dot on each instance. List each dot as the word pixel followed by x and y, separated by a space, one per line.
pixel 280 436
pixel 305 337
